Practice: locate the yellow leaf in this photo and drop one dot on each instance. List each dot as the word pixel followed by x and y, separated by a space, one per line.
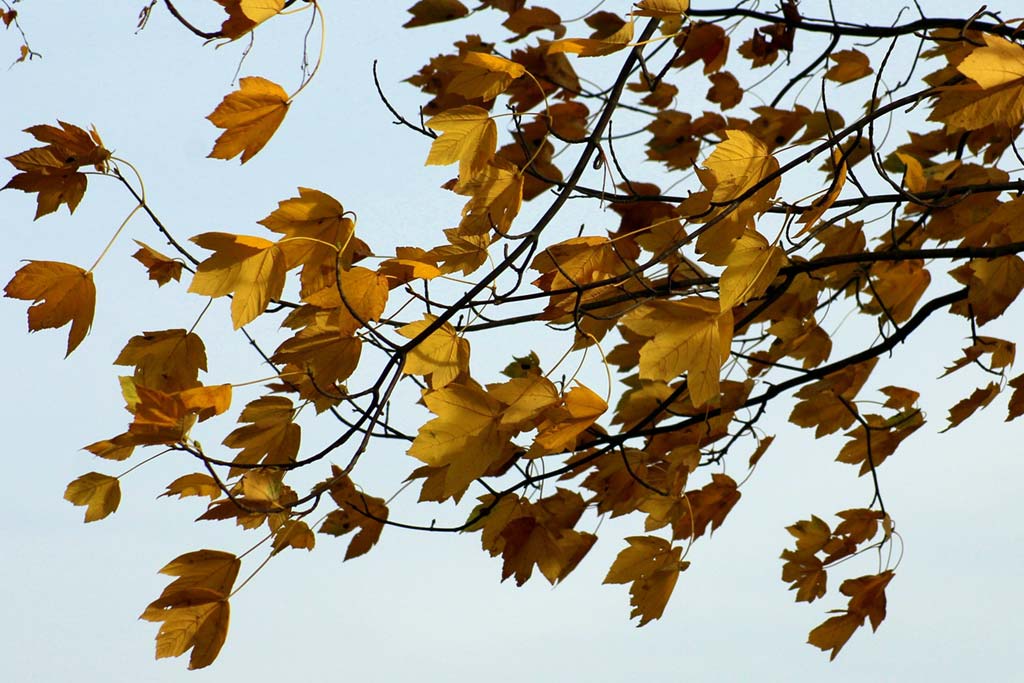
pixel 211 570
pixel 200 624
pixel 968 406
pixel 692 336
pixel 443 355
pixel 161 268
pixel 465 435
pixel 168 360
pixel 207 401
pixel 661 8
pixel 850 66
pixel 469 137
pixel 101 494
pixel 561 427
pixel 524 397
pixel 750 268
pixel 496 195
pixel 484 76
pixel 293 534
pixel 250 268
pixel 249 117
pixel 998 63
pixel 738 164
pixel 197 484
pixel 61 293
pixel 268 434
pixel 823 203
pixel 652 565
pixel 354 512
pixel 245 15
pixel 594 47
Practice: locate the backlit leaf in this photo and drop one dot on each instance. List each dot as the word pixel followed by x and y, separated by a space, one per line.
pixel 99 493
pixel 249 116
pixel 60 294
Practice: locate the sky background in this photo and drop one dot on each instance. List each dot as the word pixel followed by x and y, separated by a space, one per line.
pixel 423 606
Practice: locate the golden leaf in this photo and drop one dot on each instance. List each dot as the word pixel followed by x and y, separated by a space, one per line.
pixel 443 355
pixel 594 47
pixel 250 268
pixel 60 293
pixel 101 494
pixel 245 15
pixel 197 484
pixel 484 76
pixel 249 117
pixel 468 136
pixel 850 66
pixel 161 268
pixel 751 266
pixel 168 360
pixel 661 8
pixel 652 565
pixel 692 336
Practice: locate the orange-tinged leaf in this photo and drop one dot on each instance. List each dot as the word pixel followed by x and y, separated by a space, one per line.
pixel 443 355
pixel 427 12
pixel 61 293
pixel 249 117
pixel 484 76
pixel 834 632
pixel 692 336
pixel 594 47
pixel 245 15
pixel 750 268
pixel 468 136
pixel 978 399
pixel 867 596
pixel 994 285
pixel 101 494
pixel 823 203
pixel 161 268
pixel 207 401
pixel 850 66
pixel 250 268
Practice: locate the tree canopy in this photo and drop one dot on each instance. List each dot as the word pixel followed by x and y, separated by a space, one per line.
pixel 668 230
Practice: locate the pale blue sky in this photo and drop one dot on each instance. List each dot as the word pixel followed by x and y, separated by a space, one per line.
pixel 428 607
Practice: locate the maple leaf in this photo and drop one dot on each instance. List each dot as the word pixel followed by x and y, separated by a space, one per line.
pixel 466 435
pixel 196 484
pixel 834 632
pixel 993 284
pixel 496 194
pixel 980 398
pixel 468 136
pixel 249 268
pixel 168 360
pixel 652 566
pixel 562 425
pixel 268 434
pixel 161 268
pixel 427 12
pixel 60 293
pixel 738 164
pixel 750 268
pixel 443 355
pixel 661 8
pixel 525 398
pixel 594 47
pixel 692 336
pixel 351 514
pixel 53 171
pixel 249 117
pixel 851 65
pixel 294 533
pixel 101 494
pixel 318 232
pixel 485 76
pixel 245 15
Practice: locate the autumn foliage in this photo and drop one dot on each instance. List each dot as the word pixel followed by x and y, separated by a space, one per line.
pixel 754 206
